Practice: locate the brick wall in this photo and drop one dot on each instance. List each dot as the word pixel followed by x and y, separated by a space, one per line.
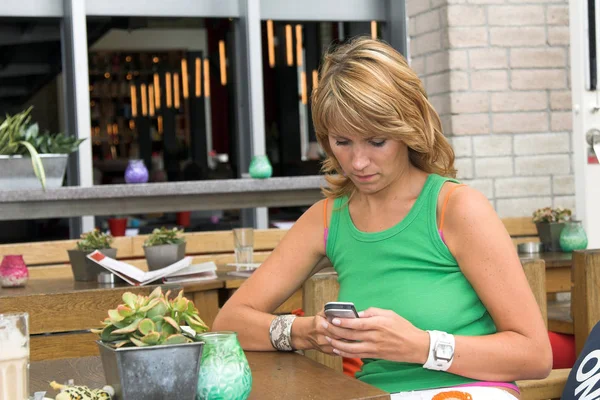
pixel 497 72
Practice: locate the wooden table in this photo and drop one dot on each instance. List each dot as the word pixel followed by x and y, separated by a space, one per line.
pixel 274 376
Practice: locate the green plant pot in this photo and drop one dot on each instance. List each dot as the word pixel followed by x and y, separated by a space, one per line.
pixel 85 269
pixel 549 233
pixel 164 255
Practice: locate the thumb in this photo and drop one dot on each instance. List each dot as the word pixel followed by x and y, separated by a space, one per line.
pixel 371 312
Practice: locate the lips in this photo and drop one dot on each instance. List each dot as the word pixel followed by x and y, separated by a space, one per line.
pixel 364 178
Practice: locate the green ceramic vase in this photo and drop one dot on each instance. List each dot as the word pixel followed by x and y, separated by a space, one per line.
pixel 224 370
pixel 573 237
pixel 260 167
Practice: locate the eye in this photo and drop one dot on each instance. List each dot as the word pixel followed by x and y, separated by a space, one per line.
pixel 341 142
pixel 378 143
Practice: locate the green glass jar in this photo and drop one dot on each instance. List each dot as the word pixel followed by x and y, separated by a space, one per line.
pixel 260 167
pixel 224 370
pixel 573 237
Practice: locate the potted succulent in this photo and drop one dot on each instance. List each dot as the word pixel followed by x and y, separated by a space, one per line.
pixel 550 223
pixel 48 153
pixel 83 268
pixel 150 348
pixel 164 247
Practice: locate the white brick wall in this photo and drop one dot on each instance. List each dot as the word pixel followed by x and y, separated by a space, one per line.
pixel 497 71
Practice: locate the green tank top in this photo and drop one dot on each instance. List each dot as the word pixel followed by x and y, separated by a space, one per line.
pixel 407 269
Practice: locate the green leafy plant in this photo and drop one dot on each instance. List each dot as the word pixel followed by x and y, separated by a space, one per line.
pixel 549 214
pixel 94 240
pixel 18 136
pixel 151 320
pixel 163 235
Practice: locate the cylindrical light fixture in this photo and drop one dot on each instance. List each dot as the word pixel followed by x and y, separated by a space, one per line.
pixel 151 99
pixel 288 45
pixel 157 91
pixel 303 89
pixel 270 44
pixel 198 79
pixel 223 62
pixel 373 29
pixel 299 45
pixel 184 79
pixel 176 90
pixel 144 96
pixel 206 78
pixel 133 91
pixel 168 92
pixel 159 122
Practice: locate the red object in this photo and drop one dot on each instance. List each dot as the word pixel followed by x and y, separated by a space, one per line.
pixel 563 350
pixel 351 366
pixel 183 218
pixel 13 271
pixel 117 226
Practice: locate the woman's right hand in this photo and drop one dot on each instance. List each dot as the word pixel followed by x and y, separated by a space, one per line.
pixel 318 333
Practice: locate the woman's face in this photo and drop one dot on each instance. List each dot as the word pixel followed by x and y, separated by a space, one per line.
pixel 370 163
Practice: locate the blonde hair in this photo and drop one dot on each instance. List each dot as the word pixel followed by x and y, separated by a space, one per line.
pixel 367 88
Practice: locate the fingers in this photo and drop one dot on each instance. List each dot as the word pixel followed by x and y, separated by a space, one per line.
pixel 350 349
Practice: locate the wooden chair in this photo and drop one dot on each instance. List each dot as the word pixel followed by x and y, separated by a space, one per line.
pixel 323 287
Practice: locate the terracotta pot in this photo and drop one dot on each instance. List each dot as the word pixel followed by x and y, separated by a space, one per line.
pixel 117 226
pixel 183 218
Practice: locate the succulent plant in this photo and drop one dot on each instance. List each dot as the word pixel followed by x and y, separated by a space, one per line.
pixel 94 240
pixel 151 320
pixel 163 235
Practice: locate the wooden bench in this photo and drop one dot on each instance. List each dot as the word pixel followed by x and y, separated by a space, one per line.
pixel 63 311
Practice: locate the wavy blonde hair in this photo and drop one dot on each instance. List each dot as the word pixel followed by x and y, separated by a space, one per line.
pixel 367 88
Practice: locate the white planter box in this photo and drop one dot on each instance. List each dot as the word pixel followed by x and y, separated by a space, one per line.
pixel 16 172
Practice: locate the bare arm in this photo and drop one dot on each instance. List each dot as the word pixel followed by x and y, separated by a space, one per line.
pixel 486 255
pixel 299 254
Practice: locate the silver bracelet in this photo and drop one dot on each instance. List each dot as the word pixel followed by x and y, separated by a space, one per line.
pixel 280 332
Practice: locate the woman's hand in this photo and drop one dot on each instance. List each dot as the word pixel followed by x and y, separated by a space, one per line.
pixel 318 334
pixel 379 334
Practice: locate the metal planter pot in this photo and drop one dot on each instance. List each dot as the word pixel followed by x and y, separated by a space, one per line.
pixel 16 172
pixel 153 372
pixel 549 233
pixel 164 255
pixel 85 269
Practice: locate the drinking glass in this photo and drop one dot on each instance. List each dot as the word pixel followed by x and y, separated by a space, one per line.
pixel 14 356
pixel 243 242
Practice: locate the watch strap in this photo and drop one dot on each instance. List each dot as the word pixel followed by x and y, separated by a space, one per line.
pixel 435 339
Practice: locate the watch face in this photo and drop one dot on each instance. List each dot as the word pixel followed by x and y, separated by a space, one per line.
pixel 444 351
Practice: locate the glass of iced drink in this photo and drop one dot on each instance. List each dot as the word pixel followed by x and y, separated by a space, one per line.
pixel 14 356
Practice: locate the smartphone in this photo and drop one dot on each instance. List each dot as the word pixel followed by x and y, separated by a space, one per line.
pixel 340 309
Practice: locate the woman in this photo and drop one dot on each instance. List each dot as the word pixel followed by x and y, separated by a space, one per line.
pixel 444 300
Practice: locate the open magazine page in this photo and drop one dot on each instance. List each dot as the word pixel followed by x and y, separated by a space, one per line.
pixel 134 275
pixel 194 273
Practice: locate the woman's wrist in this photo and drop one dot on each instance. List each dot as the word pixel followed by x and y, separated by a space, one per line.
pixel 300 333
pixel 421 347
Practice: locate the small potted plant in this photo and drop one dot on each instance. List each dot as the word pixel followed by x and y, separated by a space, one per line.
pixel 550 223
pixel 83 268
pixel 48 154
pixel 150 348
pixel 164 247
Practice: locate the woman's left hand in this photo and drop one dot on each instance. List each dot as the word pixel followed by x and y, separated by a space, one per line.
pixel 379 334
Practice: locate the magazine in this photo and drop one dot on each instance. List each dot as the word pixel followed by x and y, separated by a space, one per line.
pixel 133 275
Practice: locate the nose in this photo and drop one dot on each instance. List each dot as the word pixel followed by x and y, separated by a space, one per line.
pixel 360 159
